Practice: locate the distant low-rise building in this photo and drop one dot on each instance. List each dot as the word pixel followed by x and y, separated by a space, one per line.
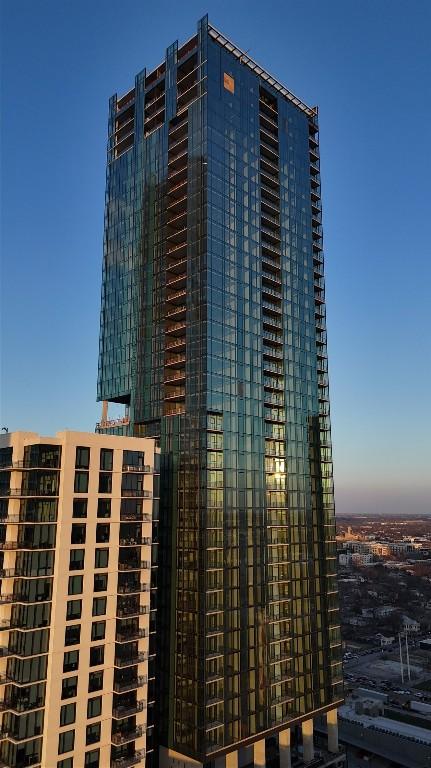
pixel 411 625
pixel 384 640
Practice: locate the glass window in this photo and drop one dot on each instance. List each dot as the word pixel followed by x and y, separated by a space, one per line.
pixel 105 482
pixel 98 630
pixel 133 460
pixel 67 714
pixel 100 582
pixel 99 606
pixel 78 534
pixel 75 585
pixel 76 562
pixel 66 763
pixel 92 734
pixel 72 635
pixel 79 508
pixel 82 458
pixel 69 687
pixel 66 742
pixel 92 759
pixel 97 655
pixel 70 661
pixel 95 681
pixel 101 558
pixel 102 533
pixel 106 459
pixel 104 508
pixel 74 610
pixel 94 707
pixel 81 482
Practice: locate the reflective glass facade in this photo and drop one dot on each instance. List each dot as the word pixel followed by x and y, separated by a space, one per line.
pixel 213 336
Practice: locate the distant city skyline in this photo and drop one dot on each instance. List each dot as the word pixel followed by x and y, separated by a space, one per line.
pixel 60 64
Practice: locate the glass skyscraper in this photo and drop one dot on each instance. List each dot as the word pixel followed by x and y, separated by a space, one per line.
pixel 213 337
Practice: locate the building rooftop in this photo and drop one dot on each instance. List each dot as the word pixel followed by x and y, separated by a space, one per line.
pixel 245 59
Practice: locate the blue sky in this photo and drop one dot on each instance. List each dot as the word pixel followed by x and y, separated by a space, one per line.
pixel 368 66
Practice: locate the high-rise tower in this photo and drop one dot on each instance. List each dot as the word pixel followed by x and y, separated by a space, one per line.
pixel 213 337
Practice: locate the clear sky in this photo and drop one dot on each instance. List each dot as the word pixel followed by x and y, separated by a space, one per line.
pixel 367 64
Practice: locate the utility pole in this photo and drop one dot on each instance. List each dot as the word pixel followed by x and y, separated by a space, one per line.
pixel 408 658
pixel 401 658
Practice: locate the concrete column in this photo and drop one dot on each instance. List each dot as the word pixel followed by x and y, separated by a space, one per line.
pixel 104 410
pixel 307 740
pixel 232 760
pixel 332 726
pixel 227 761
pixel 284 748
pixel 259 754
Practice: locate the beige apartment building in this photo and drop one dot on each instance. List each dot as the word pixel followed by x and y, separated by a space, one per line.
pixel 76 513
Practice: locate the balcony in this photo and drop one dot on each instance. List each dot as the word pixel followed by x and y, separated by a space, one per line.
pixel 176 147
pixel 177 161
pixel 51 465
pixel 269 168
pixel 273 338
pixel 269 192
pixel 132 541
pixel 267 109
pixel 269 123
pixel 272 353
pixel 27 492
pixel 131 634
pixel 273 309
pixel 11 598
pixel 176 329
pixel 124 710
pixel 268 150
pixel 175 361
pixel 139 493
pixel 268 135
pixel 271 279
pixel 124 737
pixel 122 686
pixel 21 705
pixel 126 762
pixel 271 292
pixel 134 566
pixel 175 394
pixel 175 378
pixel 128 611
pixel 130 661
pixel 133 588
pixel 272 237
pixel 144 468
pixel 270 322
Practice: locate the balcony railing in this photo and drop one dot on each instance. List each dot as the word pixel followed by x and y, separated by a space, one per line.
pixel 133 566
pixel 124 710
pixel 126 762
pixel 122 686
pixel 143 468
pixel 20 492
pixel 130 588
pixel 131 610
pixel 129 635
pixel 126 736
pixel 130 661
pixel 26 464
